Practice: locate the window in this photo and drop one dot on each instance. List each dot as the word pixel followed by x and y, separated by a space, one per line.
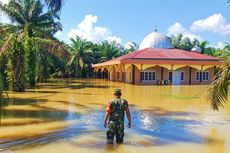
pixel 202 76
pixel 152 76
pixel 148 76
pixel 205 76
pixel 182 76
pixel 197 76
pixel 142 75
pixel 170 76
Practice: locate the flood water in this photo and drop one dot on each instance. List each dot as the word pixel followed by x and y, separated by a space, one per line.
pixel 66 116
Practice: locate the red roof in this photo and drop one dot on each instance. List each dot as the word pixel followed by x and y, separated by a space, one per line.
pixel 161 55
pixel 166 54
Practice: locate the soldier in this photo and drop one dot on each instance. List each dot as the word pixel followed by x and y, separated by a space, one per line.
pixel 115 112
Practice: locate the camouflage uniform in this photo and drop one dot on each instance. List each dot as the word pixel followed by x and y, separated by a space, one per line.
pixel 116 108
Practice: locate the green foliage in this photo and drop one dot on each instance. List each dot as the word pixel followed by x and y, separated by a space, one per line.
pixel 30 58
pixel 56 66
pixel 42 72
pixel 1 87
pixel 108 50
pixel 16 65
pixel 35 31
pixel 82 57
pixel 55 6
pixel 130 48
pixel 186 43
pixel 211 51
pixel 223 53
pixel 3 71
pixel 218 90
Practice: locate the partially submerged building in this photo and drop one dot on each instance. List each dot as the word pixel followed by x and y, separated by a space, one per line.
pixel 157 63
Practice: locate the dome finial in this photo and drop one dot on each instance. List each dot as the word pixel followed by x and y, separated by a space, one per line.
pixel 154 29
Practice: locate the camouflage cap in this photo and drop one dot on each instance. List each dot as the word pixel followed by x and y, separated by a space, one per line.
pixel 117 91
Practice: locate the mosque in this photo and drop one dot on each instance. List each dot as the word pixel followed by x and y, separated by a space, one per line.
pixel 156 63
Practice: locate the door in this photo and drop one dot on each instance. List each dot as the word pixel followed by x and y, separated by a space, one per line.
pixel 176 78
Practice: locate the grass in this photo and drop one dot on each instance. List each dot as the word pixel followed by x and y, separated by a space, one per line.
pixel 180 97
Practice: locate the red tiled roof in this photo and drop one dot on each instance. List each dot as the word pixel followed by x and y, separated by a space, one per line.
pixel 165 54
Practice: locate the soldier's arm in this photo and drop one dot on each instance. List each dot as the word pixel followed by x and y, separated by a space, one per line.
pixel 128 114
pixel 105 119
pixel 107 114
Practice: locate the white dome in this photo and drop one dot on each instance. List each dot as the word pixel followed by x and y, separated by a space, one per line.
pixel 196 49
pixel 155 40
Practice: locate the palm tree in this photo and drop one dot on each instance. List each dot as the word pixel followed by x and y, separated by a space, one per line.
pixel 218 90
pixel 176 40
pixel 55 6
pixel 108 50
pixel 16 64
pixel 82 56
pixel 32 27
pixel 202 46
pixel 131 47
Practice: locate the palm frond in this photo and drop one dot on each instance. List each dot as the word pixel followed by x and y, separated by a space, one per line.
pixel 6 29
pixel 73 60
pixel 55 6
pixel 13 11
pixel 52 46
pixel 218 90
pixel 6 45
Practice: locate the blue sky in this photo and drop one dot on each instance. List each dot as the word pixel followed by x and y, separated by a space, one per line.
pixel 131 20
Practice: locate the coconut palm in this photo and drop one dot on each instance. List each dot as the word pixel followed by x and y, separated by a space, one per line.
pixel 32 27
pixel 203 46
pixel 82 56
pixel 55 6
pixel 176 40
pixel 108 50
pixel 218 90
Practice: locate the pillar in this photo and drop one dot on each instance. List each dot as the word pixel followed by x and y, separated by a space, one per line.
pixel 133 74
pixel 162 73
pixel 190 75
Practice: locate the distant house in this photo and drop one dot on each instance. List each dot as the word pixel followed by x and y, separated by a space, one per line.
pixel 156 63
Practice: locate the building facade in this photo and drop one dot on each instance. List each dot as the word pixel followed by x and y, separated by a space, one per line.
pixel 156 63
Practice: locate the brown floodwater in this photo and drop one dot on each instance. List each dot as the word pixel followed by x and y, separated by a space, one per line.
pixel 66 116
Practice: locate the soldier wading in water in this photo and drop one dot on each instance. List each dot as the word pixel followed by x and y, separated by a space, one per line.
pixel 115 112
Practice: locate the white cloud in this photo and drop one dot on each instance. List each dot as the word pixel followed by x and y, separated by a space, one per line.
pixel 220 45
pixel 87 30
pixel 128 45
pixel 4 1
pixel 215 23
pixel 4 18
pixel 177 28
pixel 59 34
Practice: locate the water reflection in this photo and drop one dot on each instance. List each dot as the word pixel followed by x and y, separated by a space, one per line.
pixel 166 128
pixel 215 143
